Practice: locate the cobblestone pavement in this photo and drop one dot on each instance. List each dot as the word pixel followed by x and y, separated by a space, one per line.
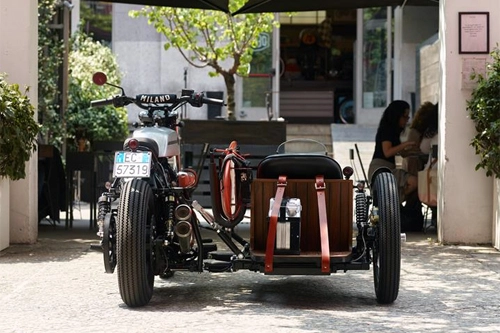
pixel 59 285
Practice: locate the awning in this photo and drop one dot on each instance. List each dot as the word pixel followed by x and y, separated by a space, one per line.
pixel 222 5
pixel 263 6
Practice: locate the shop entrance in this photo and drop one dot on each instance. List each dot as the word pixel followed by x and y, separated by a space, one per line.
pixel 317 60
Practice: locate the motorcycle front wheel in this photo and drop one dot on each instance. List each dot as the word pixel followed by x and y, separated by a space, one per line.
pixel 133 243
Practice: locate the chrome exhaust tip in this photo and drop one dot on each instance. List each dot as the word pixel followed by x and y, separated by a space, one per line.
pixel 184 231
pixel 183 212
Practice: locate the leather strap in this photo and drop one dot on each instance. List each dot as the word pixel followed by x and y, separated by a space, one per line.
pixel 323 224
pixel 273 224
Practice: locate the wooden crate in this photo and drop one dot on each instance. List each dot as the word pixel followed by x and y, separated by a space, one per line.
pixel 339 199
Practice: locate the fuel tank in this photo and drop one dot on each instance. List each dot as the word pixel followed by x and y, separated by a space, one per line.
pixel 166 138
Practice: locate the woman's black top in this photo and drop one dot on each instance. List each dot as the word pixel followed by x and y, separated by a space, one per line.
pixel 384 134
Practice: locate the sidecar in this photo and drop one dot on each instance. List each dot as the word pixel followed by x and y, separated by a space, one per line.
pixel 303 207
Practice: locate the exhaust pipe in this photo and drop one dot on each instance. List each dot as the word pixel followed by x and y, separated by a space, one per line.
pixel 184 231
pixel 183 212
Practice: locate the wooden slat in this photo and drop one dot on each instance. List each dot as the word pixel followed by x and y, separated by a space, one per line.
pixel 339 197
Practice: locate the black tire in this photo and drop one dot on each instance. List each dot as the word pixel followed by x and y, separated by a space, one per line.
pixel 346 111
pixel 109 243
pixel 133 243
pixel 387 245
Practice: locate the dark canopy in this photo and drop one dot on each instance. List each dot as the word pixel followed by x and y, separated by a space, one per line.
pixel 262 6
pixel 222 5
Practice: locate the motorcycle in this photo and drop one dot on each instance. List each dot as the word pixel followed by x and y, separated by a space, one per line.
pixel 152 230
pixel 302 209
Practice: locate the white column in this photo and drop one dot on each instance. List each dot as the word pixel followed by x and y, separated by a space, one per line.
pixel 4 213
pixel 19 59
pixel 277 66
pixel 75 16
pixel 465 195
pixel 496 215
pixel 397 63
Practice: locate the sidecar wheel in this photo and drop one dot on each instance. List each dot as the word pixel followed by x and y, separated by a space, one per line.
pixel 387 245
pixel 133 243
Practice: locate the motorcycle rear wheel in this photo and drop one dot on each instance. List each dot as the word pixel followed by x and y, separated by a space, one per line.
pixel 133 243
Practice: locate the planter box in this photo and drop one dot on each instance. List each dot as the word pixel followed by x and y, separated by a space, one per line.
pixel 222 132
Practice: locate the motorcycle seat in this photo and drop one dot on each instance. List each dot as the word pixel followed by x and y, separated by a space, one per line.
pixel 299 166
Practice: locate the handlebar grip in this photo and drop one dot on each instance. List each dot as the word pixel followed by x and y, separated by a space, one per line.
pixel 214 101
pixel 101 102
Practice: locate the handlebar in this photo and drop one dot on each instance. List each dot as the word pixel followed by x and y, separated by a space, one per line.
pixel 101 102
pixel 159 101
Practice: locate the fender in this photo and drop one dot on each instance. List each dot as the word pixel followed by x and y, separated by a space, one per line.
pixel 379 170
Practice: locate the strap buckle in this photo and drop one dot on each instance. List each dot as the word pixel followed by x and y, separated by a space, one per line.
pixel 320 183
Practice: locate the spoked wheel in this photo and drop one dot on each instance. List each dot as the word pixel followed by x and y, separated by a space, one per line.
pixel 134 244
pixel 387 245
pixel 109 243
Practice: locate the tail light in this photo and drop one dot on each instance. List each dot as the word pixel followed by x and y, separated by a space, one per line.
pixel 133 144
pixel 348 172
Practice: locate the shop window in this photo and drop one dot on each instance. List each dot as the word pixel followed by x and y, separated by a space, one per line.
pixel 95 16
pixel 374 58
pixel 258 83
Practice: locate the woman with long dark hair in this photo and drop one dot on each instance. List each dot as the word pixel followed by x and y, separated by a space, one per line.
pixel 388 145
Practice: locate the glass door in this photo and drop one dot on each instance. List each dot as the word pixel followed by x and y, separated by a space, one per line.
pixel 373 66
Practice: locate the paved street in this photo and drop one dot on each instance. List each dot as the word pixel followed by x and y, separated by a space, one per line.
pixel 59 285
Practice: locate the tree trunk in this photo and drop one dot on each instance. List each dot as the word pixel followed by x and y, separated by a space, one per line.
pixel 230 82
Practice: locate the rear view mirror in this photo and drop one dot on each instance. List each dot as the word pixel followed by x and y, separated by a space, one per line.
pixel 99 78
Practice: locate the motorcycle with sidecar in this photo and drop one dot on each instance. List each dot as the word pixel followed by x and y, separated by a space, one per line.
pixel 303 209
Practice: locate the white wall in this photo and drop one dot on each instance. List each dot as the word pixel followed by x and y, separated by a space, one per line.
pixel 148 68
pixel 430 73
pixel 419 24
pixel 18 58
pixel 465 196
pixel 4 213
pixel 496 215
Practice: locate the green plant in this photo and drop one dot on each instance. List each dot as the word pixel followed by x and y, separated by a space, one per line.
pixel 82 121
pixel 50 55
pixel 484 110
pixel 18 130
pixel 212 39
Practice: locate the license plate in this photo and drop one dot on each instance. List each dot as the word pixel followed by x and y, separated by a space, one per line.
pixel 132 164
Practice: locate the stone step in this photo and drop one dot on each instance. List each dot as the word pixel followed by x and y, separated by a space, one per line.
pixel 320 133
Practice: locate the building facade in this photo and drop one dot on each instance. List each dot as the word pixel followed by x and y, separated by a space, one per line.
pixel 468 210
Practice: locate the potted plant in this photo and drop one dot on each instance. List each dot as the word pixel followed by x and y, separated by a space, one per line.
pixel 86 125
pixel 484 110
pixel 18 130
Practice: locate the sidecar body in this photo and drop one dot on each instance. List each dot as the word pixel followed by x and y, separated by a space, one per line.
pixel 309 218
